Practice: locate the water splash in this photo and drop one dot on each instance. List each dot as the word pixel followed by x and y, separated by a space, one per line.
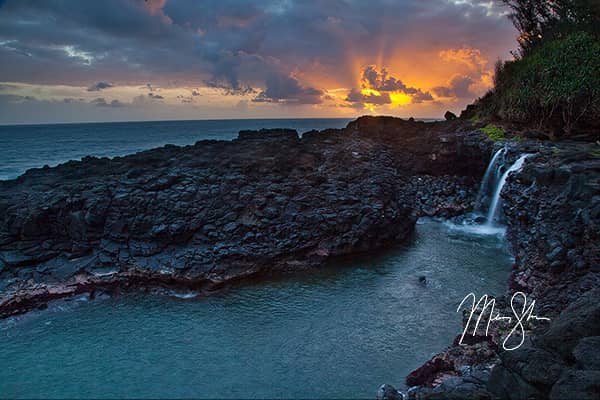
pixel 495 206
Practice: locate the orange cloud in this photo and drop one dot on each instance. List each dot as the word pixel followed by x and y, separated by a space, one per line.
pixel 472 73
pixel 469 57
pixel 380 88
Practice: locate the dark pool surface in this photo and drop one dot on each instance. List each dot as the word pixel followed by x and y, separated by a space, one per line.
pixel 338 332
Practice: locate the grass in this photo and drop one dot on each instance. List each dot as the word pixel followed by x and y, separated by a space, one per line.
pixel 493 132
pixel 595 153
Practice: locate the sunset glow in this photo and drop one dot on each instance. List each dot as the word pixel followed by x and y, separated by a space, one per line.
pixel 400 99
pixel 185 60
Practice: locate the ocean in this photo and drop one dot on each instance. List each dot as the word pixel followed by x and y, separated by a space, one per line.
pixel 336 332
pixel 32 146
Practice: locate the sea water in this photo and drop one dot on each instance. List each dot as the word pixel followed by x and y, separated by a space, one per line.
pixel 33 146
pixel 336 332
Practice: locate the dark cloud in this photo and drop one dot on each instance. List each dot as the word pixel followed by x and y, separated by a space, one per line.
pixel 101 102
pixel 379 85
pixel 420 97
pixel 382 81
pixel 287 89
pixel 355 96
pixel 459 86
pixel 229 44
pixel 230 88
pixel 186 99
pixel 99 86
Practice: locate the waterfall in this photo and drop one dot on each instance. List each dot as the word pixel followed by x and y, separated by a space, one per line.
pixel 489 178
pixel 490 189
pixel 494 209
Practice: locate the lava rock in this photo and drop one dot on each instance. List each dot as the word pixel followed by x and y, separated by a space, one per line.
pixel 449 116
pixel 388 392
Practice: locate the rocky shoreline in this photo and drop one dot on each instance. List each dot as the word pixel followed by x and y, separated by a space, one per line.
pixel 203 215
pixel 270 202
pixel 552 209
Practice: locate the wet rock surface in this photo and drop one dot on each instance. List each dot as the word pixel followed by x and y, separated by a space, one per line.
pixel 270 202
pixel 552 213
pixel 202 215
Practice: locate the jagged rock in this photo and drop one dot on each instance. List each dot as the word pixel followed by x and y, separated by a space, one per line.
pixel 577 384
pixel 505 384
pixel 552 212
pixel 586 353
pixel 388 392
pixel 220 210
pixel 270 201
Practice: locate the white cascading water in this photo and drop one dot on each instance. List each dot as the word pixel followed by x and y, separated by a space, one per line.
pixel 489 178
pixel 495 205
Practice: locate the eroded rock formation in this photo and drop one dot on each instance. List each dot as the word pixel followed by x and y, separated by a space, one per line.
pixel 552 209
pixel 217 211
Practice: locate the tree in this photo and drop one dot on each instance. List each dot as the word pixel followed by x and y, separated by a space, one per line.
pixel 539 21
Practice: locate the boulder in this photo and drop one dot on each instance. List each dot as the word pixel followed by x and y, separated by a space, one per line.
pixel 449 116
pixel 587 353
pixel 577 384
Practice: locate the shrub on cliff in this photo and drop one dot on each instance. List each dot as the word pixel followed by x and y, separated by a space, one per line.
pixel 556 86
pixel 494 132
pixel 541 21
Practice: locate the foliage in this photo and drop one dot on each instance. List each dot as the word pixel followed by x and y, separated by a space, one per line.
pixel 540 21
pixel 557 85
pixel 494 132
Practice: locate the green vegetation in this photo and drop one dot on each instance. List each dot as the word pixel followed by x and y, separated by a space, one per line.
pixel 494 132
pixel 554 81
pixel 595 153
pixel 543 21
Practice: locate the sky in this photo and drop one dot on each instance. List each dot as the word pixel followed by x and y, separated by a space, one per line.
pixel 126 60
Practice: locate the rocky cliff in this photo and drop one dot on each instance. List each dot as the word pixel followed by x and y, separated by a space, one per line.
pixel 552 209
pixel 202 215
pixel 270 202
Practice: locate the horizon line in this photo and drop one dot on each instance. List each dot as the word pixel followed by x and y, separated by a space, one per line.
pixel 210 119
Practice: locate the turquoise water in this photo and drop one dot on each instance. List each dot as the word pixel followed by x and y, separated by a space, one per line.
pixel 32 146
pixel 337 332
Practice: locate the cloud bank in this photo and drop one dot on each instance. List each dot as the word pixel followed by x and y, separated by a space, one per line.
pixel 272 54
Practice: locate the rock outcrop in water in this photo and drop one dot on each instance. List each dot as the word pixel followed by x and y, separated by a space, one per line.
pixel 202 215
